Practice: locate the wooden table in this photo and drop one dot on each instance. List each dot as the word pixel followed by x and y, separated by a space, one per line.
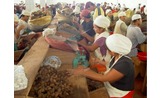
pixel 31 63
pixel 79 83
pixel 34 58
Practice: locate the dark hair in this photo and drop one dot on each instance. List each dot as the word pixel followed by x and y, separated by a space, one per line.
pixel 88 4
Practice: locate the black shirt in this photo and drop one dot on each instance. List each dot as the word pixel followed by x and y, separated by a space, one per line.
pixel 126 67
pixel 88 28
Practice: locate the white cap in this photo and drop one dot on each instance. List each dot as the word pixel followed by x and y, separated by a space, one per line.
pixel 16 19
pixel 136 16
pixel 107 11
pixel 26 13
pixel 121 14
pixel 102 21
pixel 119 43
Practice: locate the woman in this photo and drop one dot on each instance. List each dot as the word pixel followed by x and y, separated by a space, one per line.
pixel 119 76
pixel 100 25
pixel 86 28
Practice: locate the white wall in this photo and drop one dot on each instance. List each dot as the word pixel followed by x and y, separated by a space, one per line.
pixel 128 3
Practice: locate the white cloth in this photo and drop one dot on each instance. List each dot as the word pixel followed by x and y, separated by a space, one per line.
pixel 107 11
pixel 136 16
pixel 26 13
pixel 97 51
pixel 119 43
pixel 121 14
pixel 20 79
pixel 102 21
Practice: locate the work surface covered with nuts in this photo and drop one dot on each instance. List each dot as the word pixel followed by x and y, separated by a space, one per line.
pixel 33 60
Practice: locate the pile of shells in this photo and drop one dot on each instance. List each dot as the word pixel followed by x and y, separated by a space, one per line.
pixel 50 83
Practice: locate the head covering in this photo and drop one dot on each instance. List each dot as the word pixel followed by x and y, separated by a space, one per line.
pixel 16 19
pixel 76 10
pixel 85 13
pixel 121 14
pixel 136 16
pixel 26 13
pixel 102 21
pixel 107 11
pixel 119 44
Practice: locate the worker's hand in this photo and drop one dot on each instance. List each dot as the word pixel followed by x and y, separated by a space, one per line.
pixel 96 60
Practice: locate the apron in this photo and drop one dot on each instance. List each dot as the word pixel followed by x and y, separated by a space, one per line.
pixel 97 51
pixel 114 92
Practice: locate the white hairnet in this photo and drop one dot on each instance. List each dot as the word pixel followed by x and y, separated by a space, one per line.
pixel 107 11
pixel 119 44
pixel 26 13
pixel 121 14
pixel 136 16
pixel 102 21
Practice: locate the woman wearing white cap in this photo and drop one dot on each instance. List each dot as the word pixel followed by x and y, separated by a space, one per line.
pixel 109 14
pixel 119 76
pixel 121 27
pixel 100 25
pixel 135 34
pixel 23 21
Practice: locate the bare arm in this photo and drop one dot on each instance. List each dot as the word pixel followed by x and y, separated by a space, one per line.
pixel 112 76
pixel 90 48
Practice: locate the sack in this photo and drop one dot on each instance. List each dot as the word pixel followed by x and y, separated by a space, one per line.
pixel 20 79
pixel 39 23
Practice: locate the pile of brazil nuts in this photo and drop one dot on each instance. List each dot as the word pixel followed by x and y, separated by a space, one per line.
pixel 51 83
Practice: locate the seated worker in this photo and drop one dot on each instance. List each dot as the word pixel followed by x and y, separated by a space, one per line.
pixel 86 28
pixel 101 24
pixel 135 34
pixel 119 76
pixel 121 27
pixel 109 15
pixel 23 21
